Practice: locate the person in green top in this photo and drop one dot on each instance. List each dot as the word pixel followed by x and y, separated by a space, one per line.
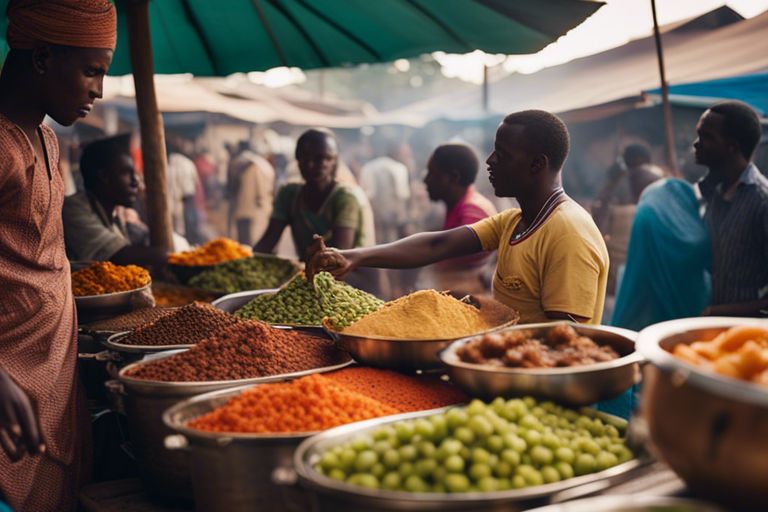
pixel 319 206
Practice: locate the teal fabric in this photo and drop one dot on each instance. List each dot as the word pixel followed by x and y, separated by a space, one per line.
pixel 667 270
pixel 4 507
pixel 217 38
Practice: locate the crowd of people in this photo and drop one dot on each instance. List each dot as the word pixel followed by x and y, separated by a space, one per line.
pixel 665 247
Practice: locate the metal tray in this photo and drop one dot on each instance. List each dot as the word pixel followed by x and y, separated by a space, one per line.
pixel 576 385
pixel 631 503
pixel 350 497
pixel 113 343
pixel 110 301
pixel 198 387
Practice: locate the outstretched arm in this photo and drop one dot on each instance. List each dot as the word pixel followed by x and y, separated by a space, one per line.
pixel 414 251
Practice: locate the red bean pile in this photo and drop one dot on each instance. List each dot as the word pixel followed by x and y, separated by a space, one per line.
pixel 129 321
pixel 186 326
pixel 245 350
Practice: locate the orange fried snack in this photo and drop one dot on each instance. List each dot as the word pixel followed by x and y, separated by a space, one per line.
pixel 211 253
pixel 740 352
pixel 106 277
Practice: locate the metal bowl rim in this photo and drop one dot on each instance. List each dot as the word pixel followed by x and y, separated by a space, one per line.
pixel 449 358
pixel 323 483
pixel 649 345
pixel 341 334
pixel 89 298
pixel 230 383
pixel 112 344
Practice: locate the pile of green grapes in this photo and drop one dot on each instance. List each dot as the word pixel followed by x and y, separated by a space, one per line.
pixel 506 444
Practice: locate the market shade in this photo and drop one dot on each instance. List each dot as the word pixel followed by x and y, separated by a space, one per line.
pixel 217 38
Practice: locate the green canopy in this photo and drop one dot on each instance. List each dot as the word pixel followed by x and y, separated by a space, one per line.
pixel 220 37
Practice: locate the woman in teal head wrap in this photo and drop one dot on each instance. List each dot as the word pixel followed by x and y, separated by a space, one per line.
pixel 667 271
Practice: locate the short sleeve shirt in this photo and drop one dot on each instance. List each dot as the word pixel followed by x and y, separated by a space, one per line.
pixel 341 209
pixel 562 266
pixel 88 234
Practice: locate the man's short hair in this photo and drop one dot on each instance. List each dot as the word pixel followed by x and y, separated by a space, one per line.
pixel 637 153
pixel 546 134
pixel 314 134
pixel 98 154
pixel 740 123
pixel 459 157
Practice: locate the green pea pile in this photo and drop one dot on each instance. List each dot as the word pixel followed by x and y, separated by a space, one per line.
pixel 507 444
pixel 253 273
pixel 298 304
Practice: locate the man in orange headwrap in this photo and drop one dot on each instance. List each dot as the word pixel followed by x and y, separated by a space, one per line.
pixel 60 52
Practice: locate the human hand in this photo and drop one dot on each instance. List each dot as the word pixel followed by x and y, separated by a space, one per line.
pixel 321 258
pixel 19 427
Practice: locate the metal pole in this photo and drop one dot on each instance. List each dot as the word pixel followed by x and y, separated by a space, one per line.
pixel 666 108
pixel 151 124
pixel 486 98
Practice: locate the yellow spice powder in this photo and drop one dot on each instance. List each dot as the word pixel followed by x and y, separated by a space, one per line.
pixel 422 315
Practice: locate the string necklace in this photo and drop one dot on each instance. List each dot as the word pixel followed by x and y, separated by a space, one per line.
pixel 555 198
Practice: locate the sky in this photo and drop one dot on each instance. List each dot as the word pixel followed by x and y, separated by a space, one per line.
pixel 614 24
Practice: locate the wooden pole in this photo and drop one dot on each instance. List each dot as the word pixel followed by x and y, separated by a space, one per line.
pixel 666 108
pixel 151 124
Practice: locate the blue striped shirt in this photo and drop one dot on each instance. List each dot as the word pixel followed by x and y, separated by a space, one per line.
pixel 739 233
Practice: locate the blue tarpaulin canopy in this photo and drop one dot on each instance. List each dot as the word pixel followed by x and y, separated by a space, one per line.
pixel 751 88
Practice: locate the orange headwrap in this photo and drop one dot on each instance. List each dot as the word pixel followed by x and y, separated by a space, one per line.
pixel 82 23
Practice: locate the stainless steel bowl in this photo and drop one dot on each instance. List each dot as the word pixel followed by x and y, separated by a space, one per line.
pixel 577 385
pixel 710 429
pixel 411 355
pixel 234 301
pixel 110 302
pixel 335 496
pixel 231 471
pixel 113 343
pixel 631 503
pixel 166 473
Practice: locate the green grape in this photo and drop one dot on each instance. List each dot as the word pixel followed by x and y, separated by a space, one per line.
pixel 541 455
pixel 585 464
pixel 454 464
pixel 550 474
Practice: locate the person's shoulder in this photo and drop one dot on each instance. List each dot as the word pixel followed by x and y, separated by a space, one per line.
pixel 478 200
pixel 76 200
pixel 290 188
pixel 570 218
pixel 762 184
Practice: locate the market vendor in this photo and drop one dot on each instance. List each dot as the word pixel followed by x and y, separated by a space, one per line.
pixel 92 229
pixel 552 260
pixel 60 51
pixel 451 173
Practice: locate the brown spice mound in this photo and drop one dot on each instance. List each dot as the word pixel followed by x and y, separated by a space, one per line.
pixel 129 321
pixel 186 326
pixel 403 392
pixel 245 350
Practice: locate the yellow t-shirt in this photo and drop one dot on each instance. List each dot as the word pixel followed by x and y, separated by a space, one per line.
pixel 562 266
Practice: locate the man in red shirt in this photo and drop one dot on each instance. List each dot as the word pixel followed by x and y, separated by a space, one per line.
pixel 451 172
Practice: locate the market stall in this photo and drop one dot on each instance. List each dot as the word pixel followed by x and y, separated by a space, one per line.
pixel 318 396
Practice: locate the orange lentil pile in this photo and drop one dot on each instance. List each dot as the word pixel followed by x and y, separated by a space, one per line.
pixel 245 350
pixel 308 404
pixel 106 277
pixel 211 253
pixel 406 394
pixel 184 326
pixel 323 401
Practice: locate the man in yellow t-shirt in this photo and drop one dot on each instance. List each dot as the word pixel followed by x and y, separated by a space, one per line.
pixel 552 260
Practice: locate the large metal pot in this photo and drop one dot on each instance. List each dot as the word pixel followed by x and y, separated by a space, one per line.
pixel 165 473
pixel 235 472
pixel 334 496
pixel 710 429
pixel 577 385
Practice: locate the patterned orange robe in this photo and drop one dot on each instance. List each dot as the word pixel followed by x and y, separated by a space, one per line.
pixel 38 338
